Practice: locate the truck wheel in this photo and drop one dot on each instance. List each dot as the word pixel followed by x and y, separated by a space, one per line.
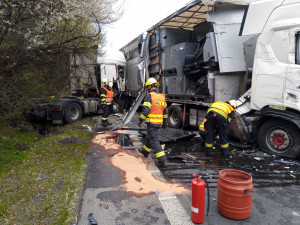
pixel 279 137
pixel 117 106
pixel 73 113
pixel 175 116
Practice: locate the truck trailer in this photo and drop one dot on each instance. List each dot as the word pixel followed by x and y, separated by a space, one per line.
pixel 86 73
pixel 243 50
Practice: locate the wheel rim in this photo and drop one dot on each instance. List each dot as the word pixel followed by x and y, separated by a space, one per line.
pixel 279 140
pixel 174 118
pixel 73 113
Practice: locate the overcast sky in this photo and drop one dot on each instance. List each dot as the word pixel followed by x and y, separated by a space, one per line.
pixel 138 16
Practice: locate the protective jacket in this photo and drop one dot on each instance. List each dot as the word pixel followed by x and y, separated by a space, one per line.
pixel 216 121
pixel 223 109
pixel 155 109
pixel 106 96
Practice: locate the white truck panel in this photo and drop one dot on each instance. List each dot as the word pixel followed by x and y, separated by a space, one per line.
pixel 275 79
pixel 258 14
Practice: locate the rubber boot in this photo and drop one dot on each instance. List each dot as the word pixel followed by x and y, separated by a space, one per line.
pixel 104 123
pixel 208 151
pixel 225 152
pixel 162 164
pixel 144 152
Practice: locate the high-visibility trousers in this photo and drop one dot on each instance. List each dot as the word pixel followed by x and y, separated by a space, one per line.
pixel 152 143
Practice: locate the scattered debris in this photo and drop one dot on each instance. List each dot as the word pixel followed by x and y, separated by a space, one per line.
pixel 92 220
pixel 88 127
pixel 287 162
pixel 259 158
pixel 42 178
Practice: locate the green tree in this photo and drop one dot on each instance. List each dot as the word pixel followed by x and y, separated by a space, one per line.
pixel 37 39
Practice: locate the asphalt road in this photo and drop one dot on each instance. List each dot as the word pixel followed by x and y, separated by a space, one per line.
pixel 276 197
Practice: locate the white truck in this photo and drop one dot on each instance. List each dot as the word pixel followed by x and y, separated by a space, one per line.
pixel 221 51
pixel 86 73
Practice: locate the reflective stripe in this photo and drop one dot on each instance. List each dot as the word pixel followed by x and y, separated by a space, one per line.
pixel 160 154
pixel 156 120
pixel 229 119
pixel 154 115
pixel 147 149
pixel 147 120
pixel 208 145
pixel 159 103
pixel 147 104
pixel 143 117
pixel 103 95
pixel 221 108
pixel 217 137
pixel 103 118
pixel 108 103
pixel 217 111
pixel 225 145
pixel 201 127
pixel 157 108
pixel 109 95
pixel 165 116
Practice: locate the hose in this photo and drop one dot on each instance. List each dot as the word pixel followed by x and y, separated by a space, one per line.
pixel 208 200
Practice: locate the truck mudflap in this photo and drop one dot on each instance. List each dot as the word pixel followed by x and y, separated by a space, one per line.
pixel 132 110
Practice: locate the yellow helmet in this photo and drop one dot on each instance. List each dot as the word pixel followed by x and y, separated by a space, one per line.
pixel 151 81
pixel 104 81
pixel 233 103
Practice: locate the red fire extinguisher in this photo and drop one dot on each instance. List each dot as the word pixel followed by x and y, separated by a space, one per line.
pixel 198 199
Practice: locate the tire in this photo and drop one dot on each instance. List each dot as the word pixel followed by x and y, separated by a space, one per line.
pixel 175 116
pixel 73 113
pixel 279 137
pixel 117 106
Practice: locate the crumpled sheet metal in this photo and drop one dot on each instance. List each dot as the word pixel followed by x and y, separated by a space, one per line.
pixel 236 2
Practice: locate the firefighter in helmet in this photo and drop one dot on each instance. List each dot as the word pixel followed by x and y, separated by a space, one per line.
pixel 106 97
pixel 155 115
pixel 216 121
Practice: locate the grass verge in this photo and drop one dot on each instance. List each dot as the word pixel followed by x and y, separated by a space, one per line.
pixel 41 178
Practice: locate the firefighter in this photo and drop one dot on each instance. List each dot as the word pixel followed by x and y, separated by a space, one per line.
pixel 106 97
pixel 217 119
pixel 155 115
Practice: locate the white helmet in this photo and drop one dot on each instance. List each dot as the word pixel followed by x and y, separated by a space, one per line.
pixel 104 81
pixel 233 103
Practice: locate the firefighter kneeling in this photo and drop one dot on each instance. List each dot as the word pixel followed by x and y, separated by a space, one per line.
pixel 106 97
pixel 155 114
pixel 217 120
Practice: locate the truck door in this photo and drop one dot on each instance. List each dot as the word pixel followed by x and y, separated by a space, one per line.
pixel 121 78
pixel 275 72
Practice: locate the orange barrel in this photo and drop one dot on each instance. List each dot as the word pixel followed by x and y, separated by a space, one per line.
pixel 235 190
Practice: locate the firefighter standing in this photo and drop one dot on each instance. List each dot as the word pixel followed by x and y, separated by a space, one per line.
pixel 106 97
pixel 155 114
pixel 217 119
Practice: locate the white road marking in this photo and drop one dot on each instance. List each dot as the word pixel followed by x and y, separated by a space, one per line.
pixel 174 210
